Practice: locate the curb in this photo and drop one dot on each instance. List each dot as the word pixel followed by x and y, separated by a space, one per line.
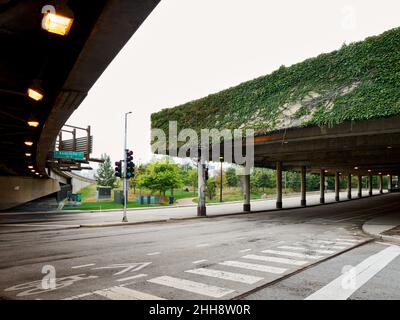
pixel 380 236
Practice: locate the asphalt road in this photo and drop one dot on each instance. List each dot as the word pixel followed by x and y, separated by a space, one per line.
pixel 310 253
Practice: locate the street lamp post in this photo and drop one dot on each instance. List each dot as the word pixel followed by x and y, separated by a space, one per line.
pixel 221 159
pixel 124 218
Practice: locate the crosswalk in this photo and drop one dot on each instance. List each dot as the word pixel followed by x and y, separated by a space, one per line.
pixel 228 278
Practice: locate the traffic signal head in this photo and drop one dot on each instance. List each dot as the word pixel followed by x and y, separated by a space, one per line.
pixel 118 169
pixel 206 174
pixel 130 166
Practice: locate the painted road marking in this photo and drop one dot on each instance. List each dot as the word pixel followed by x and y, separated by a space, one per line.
pixel 79 296
pixel 133 277
pixel 238 277
pixel 348 240
pixel 83 266
pixel 132 267
pixel 255 267
pixel 307 249
pixel 321 246
pixel 202 245
pixel 292 254
pixel 122 293
pixel 192 286
pixel 199 261
pixel 344 286
pixel 245 250
pixel 153 253
pixel 275 259
pixel 334 242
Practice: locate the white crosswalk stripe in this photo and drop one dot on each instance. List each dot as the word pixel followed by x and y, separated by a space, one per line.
pixel 345 285
pixel 255 267
pixel 315 245
pixel 237 277
pixel 334 242
pixel 348 240
pixel 122 293
pixel 192 286
pixel 321 251
pixel 275 259
pixel 292 254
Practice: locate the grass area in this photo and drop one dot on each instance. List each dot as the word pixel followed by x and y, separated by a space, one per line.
pixel 105 205
pixel 89 199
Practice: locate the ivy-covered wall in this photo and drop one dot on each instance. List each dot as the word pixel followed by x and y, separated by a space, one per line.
pixel 359 81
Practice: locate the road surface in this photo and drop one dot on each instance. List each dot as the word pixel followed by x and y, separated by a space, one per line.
pixel 309 253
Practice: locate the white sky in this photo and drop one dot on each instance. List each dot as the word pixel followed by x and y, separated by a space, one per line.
pixel 187 49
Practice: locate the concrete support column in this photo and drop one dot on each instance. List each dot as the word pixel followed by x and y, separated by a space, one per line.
pixel 303 186
pixel 322 186
pixel 359 185
pixel 349 187
pixel 380 184
pixel 201 205
pixel 279 185
pixel 370 184
pixel 390 183
pixel 246 187
pixel 337 186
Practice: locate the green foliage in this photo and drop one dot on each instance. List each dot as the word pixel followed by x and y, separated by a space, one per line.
pixel 231 177
pixel 211 188
pixel 105 173
pixel 161 176
pixel 358 82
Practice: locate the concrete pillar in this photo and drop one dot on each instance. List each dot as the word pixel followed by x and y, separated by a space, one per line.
pixel 303 186
pixel 349 187
pixel 201 205
pixel 370 184
pixel 279 185
pixel 380 184
pixel 246 187
pixel 337 187
pixel 359 186
pixel 390 183
pixel 322 186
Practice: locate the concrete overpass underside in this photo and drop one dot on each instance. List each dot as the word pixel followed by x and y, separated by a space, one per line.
pixel 62 68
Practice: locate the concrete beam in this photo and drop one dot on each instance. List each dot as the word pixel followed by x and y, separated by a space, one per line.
pixel 15 191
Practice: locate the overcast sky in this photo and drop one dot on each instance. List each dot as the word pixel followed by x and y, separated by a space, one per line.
pixel 187 49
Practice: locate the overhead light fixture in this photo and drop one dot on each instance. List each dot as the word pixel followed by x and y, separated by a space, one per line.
pixel 380 173
pixel 56 23
pixel 355 168
pixel 32 170
pixel 35 94
pixel 33 123
pixel 369 170
pixel 28 143
pixel 28 154
pixel 389 147
pixel 30 167
pixel 37 173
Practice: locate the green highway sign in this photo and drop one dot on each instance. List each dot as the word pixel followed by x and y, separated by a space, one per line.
pixel 75 155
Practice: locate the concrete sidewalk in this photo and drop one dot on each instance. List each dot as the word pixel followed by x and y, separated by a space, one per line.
pixel 384 228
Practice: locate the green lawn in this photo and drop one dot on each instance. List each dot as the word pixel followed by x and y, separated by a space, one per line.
pixel 105 206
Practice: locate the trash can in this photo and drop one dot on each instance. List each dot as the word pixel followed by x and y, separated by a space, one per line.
pixel 78 197
pixel 171 200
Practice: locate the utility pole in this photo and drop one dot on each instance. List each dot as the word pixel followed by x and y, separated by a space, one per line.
pixel 124 218
pixel 221 159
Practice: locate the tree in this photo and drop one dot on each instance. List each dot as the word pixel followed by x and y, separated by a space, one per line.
pixel 211 188
pixel 161 176
pixel 194 179
pixel 231 177
pixel 105 173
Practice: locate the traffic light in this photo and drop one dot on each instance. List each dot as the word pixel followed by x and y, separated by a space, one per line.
pixel 130 166
pixel 206 174
pixel 118 169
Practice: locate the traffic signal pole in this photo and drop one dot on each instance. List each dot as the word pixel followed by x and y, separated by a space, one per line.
pixel 125 218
